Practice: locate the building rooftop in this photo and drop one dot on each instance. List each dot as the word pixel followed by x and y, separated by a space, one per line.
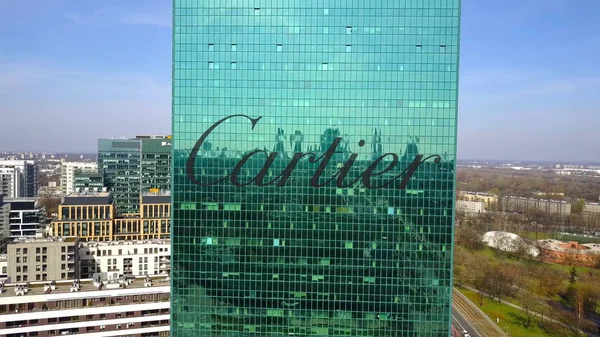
pixel 21 204
pixel 88 198
pixel 124 243
pixel 45 239
pixel 164 198
pixel 85 285
pixel 556 245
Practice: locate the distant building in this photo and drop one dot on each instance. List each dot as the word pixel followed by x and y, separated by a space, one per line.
pixel 26 217
pixel 18 178
pixel 489 199
pixel 519 204
pixel 470 206
pixel 3 267
pixel 591 208
pixel 43 259
pixel 4 221
pixel 88 215
pixel 549 194
pixel 109 306
pixel 155 168
pixel 67 174
pixel 90 180
pixel 571 253
pixel 151 257
pixel 133 166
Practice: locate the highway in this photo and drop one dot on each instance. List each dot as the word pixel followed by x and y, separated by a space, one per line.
pixel 462 323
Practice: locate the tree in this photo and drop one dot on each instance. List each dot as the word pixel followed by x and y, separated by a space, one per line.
pixel 573 276
pixel 577 206
pixel 468 237
pixel 531 305
pixel 51 204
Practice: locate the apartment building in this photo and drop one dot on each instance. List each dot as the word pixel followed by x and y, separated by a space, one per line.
pixel 20 177
pixel 43 259
pixel 26 217
pixel 471 207
pixel 67 174
pixel 151 257
pixel 106 306
pixel 519 204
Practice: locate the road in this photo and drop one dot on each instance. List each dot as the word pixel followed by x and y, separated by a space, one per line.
pixel 462 323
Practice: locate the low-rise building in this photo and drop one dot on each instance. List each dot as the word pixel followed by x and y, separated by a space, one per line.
pixel 571 253
pixel 151 257
pixel 520 204
pixel 43 259
pixel 470 207
pixel 591 208
pixel 489 199
pixel 105 306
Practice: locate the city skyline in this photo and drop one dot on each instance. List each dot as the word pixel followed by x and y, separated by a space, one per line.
pixel 110 63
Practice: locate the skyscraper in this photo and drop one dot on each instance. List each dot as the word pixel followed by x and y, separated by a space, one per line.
pixel 314 146
pixel 19 178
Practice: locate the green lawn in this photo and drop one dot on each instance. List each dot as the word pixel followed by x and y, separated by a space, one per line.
pixel 509 317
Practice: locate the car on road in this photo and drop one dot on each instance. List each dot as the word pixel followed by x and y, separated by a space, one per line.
pixel 466 333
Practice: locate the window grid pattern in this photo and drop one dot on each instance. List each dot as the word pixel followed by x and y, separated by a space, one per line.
pixel 366 81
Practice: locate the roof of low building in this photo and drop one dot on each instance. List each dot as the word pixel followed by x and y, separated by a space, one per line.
pixel 88 198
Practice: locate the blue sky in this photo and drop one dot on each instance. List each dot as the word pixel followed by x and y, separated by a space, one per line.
pixel 73 71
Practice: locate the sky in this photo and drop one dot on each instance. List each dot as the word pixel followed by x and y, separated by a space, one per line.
pixel 73 71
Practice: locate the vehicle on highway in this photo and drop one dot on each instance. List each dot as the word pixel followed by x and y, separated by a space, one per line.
pixel 466 333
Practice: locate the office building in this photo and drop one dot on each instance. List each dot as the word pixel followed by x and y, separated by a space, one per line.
pixel 67 174
pixel 92 217
pixel 26 217
pixel 313 147
pixel 43 259
pixel 155 168
pixel 87 215
pixel 107 306
pixel 119 160
pixel 153 221
pixel 139 258
pixel 91 181
pixel 133 166
pixel 18 178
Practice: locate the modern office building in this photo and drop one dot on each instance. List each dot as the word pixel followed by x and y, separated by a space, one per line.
pixel 43 259
pixel 107 306
pixel 67 174
pixel 155 168
pixel 87 215
pixel 314 146
pixel 134 166
pixel 18 178
pixel 119 159
pixel 91 216
pixel 26 217
pixel 92 181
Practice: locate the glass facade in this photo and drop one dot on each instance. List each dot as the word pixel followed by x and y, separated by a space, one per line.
pixel 314 148
pixel 119 160
pixel 156 164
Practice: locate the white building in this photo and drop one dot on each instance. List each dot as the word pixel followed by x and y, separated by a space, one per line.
pixel 103 307
pixel 152 257
pixel 470 206
pixel 67 174
pixel 23 177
